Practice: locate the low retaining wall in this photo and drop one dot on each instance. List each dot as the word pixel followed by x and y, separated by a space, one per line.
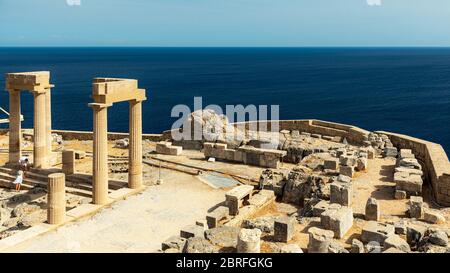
pixel 434 161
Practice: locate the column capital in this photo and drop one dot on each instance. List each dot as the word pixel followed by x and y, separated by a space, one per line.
pixel 12 90
pixel 42 89
pixel 99 105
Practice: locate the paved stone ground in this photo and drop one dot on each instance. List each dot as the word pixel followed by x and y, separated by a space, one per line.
pixel 138 224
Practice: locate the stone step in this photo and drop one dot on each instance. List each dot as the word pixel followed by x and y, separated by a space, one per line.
pixel 33 183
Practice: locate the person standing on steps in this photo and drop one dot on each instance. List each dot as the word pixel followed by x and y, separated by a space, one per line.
pixel 24 164
pixel 19 180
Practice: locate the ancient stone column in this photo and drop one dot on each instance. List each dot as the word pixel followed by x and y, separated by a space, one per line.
pixel 100 164
pixel 249 241
pixel 319 240
pixel 135 147
pixel 56 210
pixel 15 127
pixel 40 131
pixel 48 117
pixel 68 162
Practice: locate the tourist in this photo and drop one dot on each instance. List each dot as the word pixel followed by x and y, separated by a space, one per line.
pixel 24 164
pixel 19 180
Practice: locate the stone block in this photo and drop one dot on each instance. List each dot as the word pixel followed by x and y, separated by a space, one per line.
pixel 284 229
pixel 316 135
pixel 373 211
pixel 415 233
pixel 236 196
pixel 340 152
pixel 390 152
pixel 347 160
pixel 399 194
pixel 341 193
pixel 341 221
pixel 411 163
pixel 174 242
pixel 409 170
pixel 411 183
pixel 291 248
pixel 346 170
pixel 406 153
pixel 361 164
pixel 396 242
pixel 331 164
pixel 214 217
pixel 416 207
pixel 320 207
pixel 80 154
pixel 376 232
pixel 192 231
pixel 433 217
pixel 166 148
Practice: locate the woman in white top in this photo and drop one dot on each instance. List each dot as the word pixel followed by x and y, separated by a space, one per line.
pixel 19 180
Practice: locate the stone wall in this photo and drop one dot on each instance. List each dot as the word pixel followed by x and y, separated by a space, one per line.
pixel 351 133
pixel 434 161
pixel 266 158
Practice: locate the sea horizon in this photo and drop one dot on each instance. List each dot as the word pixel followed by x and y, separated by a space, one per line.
pixel 399 89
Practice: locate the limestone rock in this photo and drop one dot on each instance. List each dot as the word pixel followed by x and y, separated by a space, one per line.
pixel 265 223
pixel 291 248
pixel 396 242
pixel 434 217
pixel 199 245
pixel 223 236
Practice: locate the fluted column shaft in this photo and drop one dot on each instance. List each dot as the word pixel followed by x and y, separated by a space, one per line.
pixel 48 115
pixel 135 146
pixel 56 208
pixel 100 164
pixel 40 131
pixel 15 127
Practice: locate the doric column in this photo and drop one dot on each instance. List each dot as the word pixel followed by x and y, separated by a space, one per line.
pixel 48 117
pixel 15 127
pixel 100 164
pixel 56 207
pixel 40 131
pixel 135 146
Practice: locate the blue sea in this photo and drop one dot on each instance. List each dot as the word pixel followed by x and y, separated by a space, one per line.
pixel 404 90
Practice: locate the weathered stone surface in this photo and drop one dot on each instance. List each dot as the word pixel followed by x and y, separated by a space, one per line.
pixel 291 248
pixel 341 193
pixel 265 223
pixel 439 238
pixel 357 246
pixel 390 152
pixel 373 211
pixel 338 220
pixel 284 229
pixel 336 247
pixel 346 160
pixel 319 240
pixel 411 183
pixel 214 217
pixel 34 218
pixel 192 231
pixel 24 209
pixel 235 197
pixel 331 164
pixel 415 233
pixel 223 236
pixel 320 207
pixel 362 164
pixel 400 227
pixel 344 178
pixel 396 242
pixel 375 231
pixel 399 194
pixel 393 250
pixel 411 163
pixel 409 170
pixel 346 170
pixel 249 241
pixel 433 216
pixel 199 245
pixel 416 207
pixel 174 242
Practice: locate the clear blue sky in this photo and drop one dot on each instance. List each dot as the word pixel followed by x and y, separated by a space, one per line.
pixel 225 23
